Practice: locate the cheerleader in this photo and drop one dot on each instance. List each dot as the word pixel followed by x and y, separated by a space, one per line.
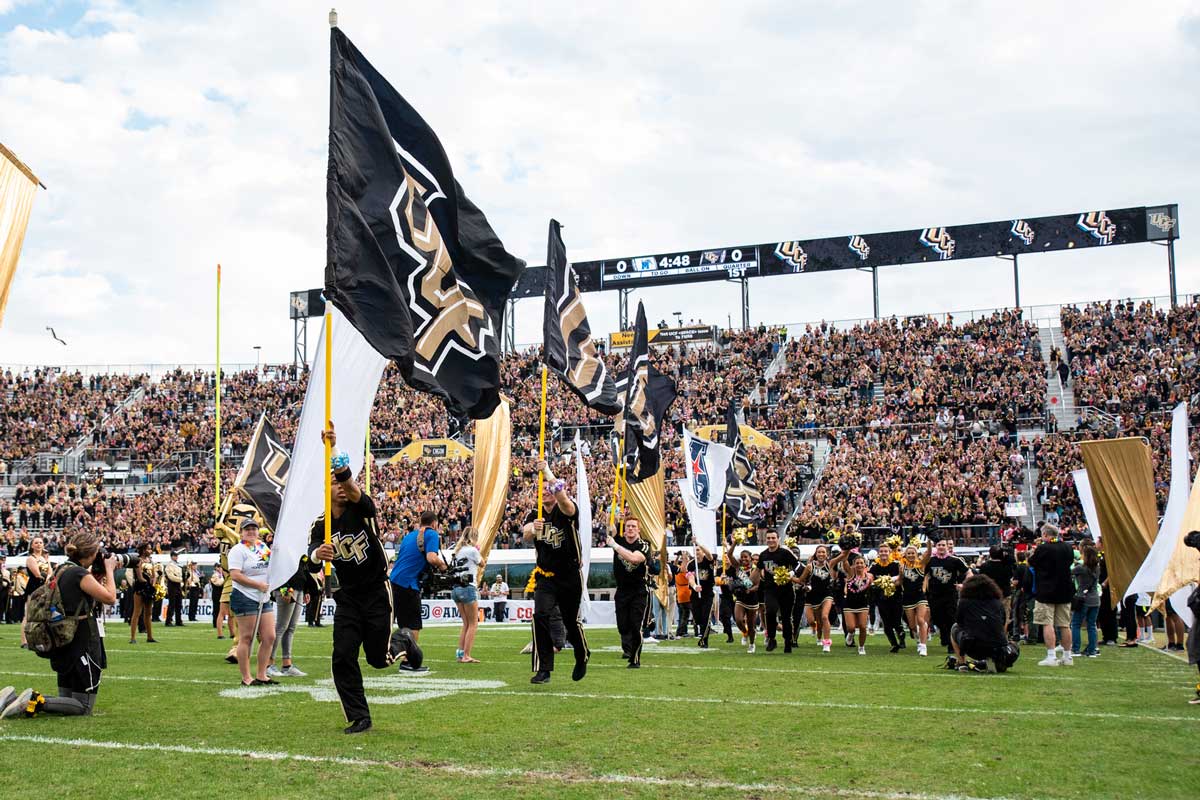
pixel 818 577
pixel 744 580
pixel 912 594
pixel 857 604
pixel 887 599
pixel 38 569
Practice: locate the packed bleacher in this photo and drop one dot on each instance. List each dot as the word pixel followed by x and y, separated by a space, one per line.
pixel 920 417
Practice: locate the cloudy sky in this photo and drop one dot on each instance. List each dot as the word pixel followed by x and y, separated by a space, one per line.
pixel 176 135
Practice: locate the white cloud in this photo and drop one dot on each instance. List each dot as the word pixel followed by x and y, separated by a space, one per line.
pixel 174 137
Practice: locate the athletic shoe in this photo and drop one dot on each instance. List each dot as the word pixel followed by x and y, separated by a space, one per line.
pixel 922 650
pixel 540 677
pixel 579 671
pixel 359 726
pixel 17 705
pixel 825 647
pixel 989 666
pixel 961 668
pixel 458 654
pixel 274 672
pixel 862 651
pixel 703 643
pixel 1048 661
pixel 1092 655
pixel 850 639
pixel 895 649
pixel 1195 701
pixel 745 641
pixel 267 682
pixel 406 667
pixel 633 665
pixel 787 647
pixel 952 663
pixel 1076 653
pixel 729 638
pixel 293 672
pixel 770 645
pixel 1067 661
pixel 750 649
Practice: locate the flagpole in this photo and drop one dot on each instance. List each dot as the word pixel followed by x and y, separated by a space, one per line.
pixel 328 444
pixel 542 444
pixel 368 458
pixel 217 446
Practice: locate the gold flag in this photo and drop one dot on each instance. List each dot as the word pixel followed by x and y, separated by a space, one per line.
pixel 1184 567
pixel 17 188
pixel 1123 487
pixel 647 501
pixel 493 438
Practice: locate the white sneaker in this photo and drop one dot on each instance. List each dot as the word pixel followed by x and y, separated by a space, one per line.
pixel 745 641
pixel 293 672
pixel 274 672
pixel 1048 661
pixel 825 648
pixel 1067 660
pixel 862 651
pixel 922 650
pixel 750 649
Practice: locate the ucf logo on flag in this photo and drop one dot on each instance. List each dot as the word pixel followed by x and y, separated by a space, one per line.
pixel 707 465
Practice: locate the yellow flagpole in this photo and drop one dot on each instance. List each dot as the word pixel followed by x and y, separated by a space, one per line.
pixel 217 448
pixel 368 458
pixel 542 444
pixel 328 445
pixel 616 496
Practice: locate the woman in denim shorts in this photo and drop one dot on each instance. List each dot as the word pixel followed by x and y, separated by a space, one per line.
pixel 466 596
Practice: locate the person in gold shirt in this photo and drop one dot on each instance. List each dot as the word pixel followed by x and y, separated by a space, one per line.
pixel 173 572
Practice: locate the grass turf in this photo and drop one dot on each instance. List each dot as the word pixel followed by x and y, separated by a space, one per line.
pixel 719 723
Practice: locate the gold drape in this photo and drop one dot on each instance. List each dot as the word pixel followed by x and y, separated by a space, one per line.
pixel 493 439
pixel 648 502
pixel 1123 488
pixel 1184 566
pixel 17 188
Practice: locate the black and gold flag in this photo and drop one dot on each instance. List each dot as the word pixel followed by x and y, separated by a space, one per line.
pixel 742 497
pixel 569 349
pixel 257 490
pixel 648 395
pixel 411 262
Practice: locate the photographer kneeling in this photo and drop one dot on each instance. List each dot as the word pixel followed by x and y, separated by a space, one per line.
pixel 978 630
pixel 79 661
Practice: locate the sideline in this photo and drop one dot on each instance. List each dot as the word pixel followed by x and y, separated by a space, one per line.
pixel 494 772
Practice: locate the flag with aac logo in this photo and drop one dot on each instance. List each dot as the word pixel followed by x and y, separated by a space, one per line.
pixel 707 466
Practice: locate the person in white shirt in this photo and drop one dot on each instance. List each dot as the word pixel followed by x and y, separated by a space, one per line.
pixel 465 595
pixel 499 594
pixel 248 565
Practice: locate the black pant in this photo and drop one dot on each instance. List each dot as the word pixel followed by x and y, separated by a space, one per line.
pixel 363 618
pixel 1108 617
pixel 725 611
pixel 549 595
pixel 631 611
pixel 193 596
pixel 780 602
pixel 312 609
pixel 891 615
pixel 704 604
pixel 4 605
pixel 942 611
pixel 1129 618
pixel 174 604
pixel 685 614
pixel 499 610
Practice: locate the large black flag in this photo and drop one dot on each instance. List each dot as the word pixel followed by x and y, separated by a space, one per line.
pixel 411 262
pixel 648 395
pixel 569 349
pixel 258 488
pixel 742 497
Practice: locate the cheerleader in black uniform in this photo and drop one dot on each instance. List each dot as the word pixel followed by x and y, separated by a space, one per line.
pixel 743 579
pixel 818 577
pixel 887 596
pixel 857 603
pixel 912 593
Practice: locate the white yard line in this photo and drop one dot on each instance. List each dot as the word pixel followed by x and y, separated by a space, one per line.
pixel 1167 653
pixel 490 772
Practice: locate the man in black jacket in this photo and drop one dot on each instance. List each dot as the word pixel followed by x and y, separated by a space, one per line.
pixel 1051 563
pixel 629 570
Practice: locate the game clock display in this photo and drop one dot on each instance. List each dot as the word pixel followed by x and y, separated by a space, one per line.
pixel 693 265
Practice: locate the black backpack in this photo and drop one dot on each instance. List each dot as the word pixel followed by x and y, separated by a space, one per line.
pixel 47 627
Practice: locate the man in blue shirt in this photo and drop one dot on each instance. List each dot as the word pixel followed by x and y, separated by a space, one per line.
pixel 417 551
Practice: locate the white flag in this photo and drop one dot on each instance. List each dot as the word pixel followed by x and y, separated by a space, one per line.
pixel 703 520
pixel 707 466
pixel 583 499
pixel 357 369
pixel 1083 486
pixel 1170 531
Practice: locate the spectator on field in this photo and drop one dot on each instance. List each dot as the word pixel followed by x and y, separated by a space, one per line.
pixel 1051 562
pixel 1085 606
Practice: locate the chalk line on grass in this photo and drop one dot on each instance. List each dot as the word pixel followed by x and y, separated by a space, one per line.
pixel 490 772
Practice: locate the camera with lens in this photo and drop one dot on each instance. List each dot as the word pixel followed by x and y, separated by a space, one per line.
pixel 1192 539
pixel 124 561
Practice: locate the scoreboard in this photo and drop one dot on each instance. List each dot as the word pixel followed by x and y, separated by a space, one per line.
pixel 669 268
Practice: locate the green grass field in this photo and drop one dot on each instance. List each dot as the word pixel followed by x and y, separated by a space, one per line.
pixel 690 724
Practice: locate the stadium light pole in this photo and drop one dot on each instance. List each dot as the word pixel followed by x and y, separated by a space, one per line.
pixel 258 358
pixel 1171 268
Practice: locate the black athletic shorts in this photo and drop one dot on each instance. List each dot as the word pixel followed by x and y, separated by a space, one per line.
pixel 406 606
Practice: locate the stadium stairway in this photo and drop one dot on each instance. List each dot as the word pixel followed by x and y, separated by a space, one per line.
pixel 1060 399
